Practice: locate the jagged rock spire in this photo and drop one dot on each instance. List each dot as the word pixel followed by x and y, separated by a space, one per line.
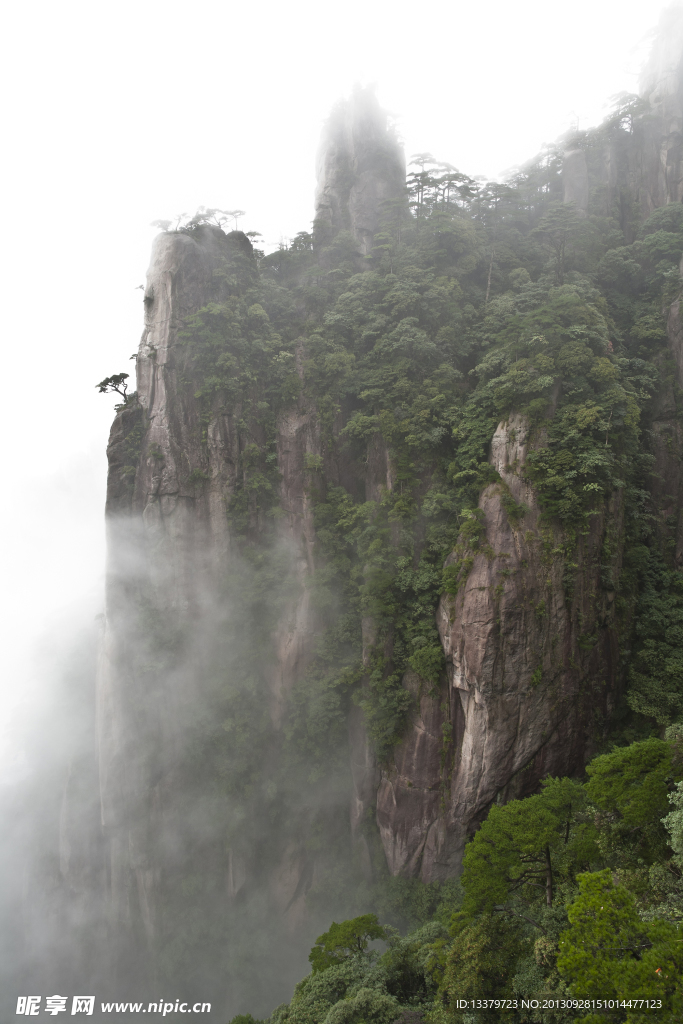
pixel 361 166
pixel 661 80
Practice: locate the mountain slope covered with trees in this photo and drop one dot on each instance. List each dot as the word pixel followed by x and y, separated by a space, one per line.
pixel 484 302
pixel 394 624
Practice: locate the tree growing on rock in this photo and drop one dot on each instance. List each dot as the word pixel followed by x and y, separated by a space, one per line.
pixel 117 382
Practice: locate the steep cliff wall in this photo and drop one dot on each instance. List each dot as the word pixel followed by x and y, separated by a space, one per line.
pixel 166 545
pixel 175 653
pixel 294 687
pixel 531 656
pixel 361 171
pixel 177 462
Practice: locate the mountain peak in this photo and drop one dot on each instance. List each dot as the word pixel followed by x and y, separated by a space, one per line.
pixel 360 167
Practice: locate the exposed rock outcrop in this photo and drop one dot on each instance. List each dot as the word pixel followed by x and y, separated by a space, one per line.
pixel 361 170
pixel 532 666
pixel 173 471
pixel 161 531
pixel 171 597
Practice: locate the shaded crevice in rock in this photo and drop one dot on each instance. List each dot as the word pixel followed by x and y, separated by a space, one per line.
pixel 516 661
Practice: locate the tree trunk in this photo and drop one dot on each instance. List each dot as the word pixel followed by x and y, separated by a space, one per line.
pixel 488 283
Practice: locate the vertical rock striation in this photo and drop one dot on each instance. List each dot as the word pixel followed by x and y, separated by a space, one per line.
pixel 174 572
pixel 530 645
pixel 361 172
pixel 167 539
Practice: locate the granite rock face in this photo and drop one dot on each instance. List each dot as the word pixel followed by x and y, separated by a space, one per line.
pixel 532 663
pixel 531 649
pixel 159 532
pixel 171 558
pixel 361 170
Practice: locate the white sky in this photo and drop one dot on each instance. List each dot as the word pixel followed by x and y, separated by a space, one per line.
pixel 117 114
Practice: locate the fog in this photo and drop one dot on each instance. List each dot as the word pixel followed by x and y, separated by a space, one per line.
pixel 116 115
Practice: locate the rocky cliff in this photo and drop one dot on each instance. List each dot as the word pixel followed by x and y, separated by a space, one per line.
pixel 532 673
pixel 174 578
pixel 249 496
pixel 361 173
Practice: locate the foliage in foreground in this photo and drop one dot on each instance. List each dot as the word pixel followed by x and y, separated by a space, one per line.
pixel 575 893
